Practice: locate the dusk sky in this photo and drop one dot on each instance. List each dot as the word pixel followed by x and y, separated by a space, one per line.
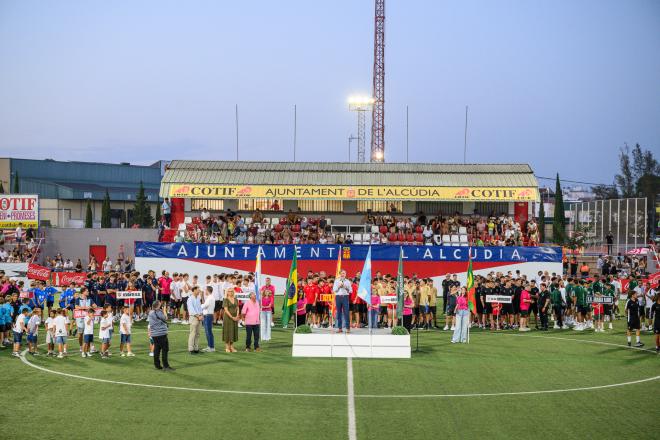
pixel 560 85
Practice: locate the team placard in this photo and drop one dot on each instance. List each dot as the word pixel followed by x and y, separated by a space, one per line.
pixel 600 299
pixel 388 299
pixel 82 313
pixel 506 299
pixel 242 296
pixel 129 294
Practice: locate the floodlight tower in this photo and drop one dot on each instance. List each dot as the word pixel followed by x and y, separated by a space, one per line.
pixel 378 112
pixel 361 105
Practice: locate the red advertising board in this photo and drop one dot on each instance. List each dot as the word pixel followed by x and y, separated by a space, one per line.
pixel 60 279
pixel 37 272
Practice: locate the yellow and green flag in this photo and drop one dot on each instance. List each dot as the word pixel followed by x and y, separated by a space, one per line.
pixel 472 302
pixel 291 295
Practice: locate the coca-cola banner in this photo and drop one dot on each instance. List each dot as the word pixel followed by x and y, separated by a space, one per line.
pixel 60 279
pixel 37 272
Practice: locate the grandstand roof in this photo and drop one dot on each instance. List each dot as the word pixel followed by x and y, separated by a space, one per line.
pixel 341 174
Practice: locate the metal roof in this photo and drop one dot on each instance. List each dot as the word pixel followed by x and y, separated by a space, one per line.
pixel 343 173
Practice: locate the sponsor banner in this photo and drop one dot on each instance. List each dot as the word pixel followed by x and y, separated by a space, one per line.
pixel 36 272
pixel 506 299
pixel 327 297
pixel 81 313
pixel 18 209
pixel 17 271
pixel 388 299
pixel 600 299
pixel 424 261
pixel 129 294
pixel 61 279
pixel 327 192
pixel 306 252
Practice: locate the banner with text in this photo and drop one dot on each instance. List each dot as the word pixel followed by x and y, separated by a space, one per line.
pixel 423 261
pixel 327 192
pixel 19 209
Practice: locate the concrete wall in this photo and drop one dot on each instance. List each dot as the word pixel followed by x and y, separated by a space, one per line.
pixel 74 243
pixel 71 213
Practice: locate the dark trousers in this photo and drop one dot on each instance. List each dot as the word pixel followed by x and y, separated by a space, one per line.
pixel 407 322
pixel 341 303
pixel 208 329
pixel 300 320
pixel 161 345
pixel 559 311
pixel 168 218
pixel 544 318
pixel 252 330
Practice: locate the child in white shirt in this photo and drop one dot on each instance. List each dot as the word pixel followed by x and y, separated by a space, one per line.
pixel 88 333
pixel 18 330
pixel 125 324
pixel 33 330
pixel 104 333
pixel 50 332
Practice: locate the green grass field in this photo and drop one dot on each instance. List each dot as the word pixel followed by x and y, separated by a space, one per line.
pixel 446 390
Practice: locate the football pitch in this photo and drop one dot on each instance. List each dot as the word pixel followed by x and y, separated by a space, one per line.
pixel 558 384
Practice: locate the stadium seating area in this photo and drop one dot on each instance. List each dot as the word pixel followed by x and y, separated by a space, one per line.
pixel 455 230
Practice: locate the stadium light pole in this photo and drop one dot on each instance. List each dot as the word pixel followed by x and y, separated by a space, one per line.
pixel 360 105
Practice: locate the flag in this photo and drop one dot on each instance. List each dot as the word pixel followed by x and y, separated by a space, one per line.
pixel 257 274
pixel 400 289
pixel 291 296
pixel 472 302
pixel 338 263
pixel 364 289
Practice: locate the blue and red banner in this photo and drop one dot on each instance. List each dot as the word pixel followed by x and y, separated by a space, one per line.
pixel 423 261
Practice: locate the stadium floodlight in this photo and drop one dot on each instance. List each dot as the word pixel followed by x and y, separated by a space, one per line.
pixel 360 105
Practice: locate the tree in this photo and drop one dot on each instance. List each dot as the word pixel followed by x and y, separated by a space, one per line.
pixel 17 187
pixel 142 212
pixel 2 188
pixel 541 222
pixel 605 192
pixel 579 239
pixel 105 211
pixel 89 216
pixel 632 169
pixel 559 216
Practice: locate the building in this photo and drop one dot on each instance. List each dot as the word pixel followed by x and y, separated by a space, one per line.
pixel 65 187
pixel 344 192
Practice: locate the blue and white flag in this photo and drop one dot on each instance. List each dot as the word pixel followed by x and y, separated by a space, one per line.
pixel 364 289
pixel 257 275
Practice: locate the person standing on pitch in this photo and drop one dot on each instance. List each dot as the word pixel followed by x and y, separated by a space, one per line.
pixel 462 317
pixel 632 315
pixel 196 316
pixel 208 309
pixel 158 331
pixel 342 289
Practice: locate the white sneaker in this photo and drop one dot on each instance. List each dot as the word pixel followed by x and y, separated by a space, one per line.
pixel 130 354
pixel 151 354
pixel 452 328
pixel 556 326
pixel 445 328
pixel 208 350
pixel 610 326
pixel 83 355
pixel 122 354
pixel 60 356
pixel 272 324
pixel 176 321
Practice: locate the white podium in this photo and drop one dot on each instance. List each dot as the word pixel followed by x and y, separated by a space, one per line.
pixel 358 343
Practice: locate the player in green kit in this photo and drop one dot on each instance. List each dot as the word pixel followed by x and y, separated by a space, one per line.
pixel 569 316
pixel 580 305
pixel 610 292
pixel 557 305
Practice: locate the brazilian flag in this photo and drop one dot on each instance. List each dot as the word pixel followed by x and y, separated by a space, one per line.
pixel 291 295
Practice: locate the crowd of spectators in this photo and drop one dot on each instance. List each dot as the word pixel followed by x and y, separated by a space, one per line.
pixel 58 263
pixel 295 228
pixel 18 245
